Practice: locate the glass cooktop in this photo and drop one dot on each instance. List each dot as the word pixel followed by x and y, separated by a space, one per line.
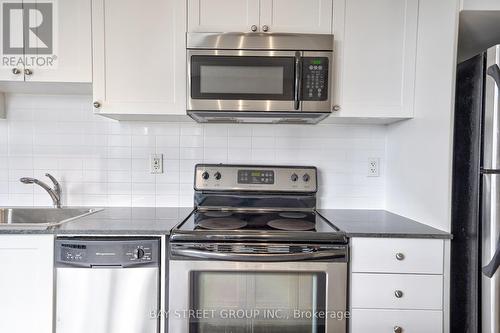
pixel 287 225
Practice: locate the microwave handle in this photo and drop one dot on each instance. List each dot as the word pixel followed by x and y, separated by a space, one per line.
pixel 298 80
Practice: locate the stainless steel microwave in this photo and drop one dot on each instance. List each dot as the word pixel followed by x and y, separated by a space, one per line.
pixel 259 78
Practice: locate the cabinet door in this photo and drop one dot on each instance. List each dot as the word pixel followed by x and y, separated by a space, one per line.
pixel 71 57
pixel 139 56
pixel 397 255
pixel 383 321
pixel 378 291
pixel 481 5
pixel 377 73
pixel 12 41
pixel 26 283
pixel 223 15
pixel 297 16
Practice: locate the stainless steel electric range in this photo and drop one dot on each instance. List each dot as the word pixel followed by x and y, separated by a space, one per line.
pixel 255 255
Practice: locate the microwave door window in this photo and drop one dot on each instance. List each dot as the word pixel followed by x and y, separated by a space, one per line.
pixel 245 78
pixel 258 80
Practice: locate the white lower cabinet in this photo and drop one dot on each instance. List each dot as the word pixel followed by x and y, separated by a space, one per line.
pixel 402 255
pixel 397 291
pixel 26 283
pixel 399 285
pixel 386 321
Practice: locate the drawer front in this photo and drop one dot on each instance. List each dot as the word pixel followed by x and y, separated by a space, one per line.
pixel 387 321
pixel 378 291
pixel 397 255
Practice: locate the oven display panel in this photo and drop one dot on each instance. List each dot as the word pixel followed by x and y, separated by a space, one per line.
pixel 265 177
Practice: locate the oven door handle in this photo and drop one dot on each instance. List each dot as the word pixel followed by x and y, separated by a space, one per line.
pixel 298 80
pixel 266 257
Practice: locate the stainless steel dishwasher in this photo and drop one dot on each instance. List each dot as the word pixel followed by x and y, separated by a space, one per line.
pixel 107 285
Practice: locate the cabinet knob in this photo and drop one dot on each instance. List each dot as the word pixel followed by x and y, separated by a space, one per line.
pixel 97 105
pixel 398 329
pixel 28 71
pixel 265 28
pixel 16 71
pixel 254 28
pixel 398 293
pixel 336 108
pixel 400 256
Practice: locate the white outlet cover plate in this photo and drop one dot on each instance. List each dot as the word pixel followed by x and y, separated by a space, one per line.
pixel 156 163
pixel 373 167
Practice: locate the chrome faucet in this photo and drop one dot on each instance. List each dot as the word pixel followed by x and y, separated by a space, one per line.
pixel 55 193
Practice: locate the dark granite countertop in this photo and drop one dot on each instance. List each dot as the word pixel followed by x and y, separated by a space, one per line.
pixel 116 221
pixel 159 221
pixel 379 223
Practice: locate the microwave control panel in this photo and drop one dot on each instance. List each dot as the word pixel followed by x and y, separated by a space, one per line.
pixel 314 79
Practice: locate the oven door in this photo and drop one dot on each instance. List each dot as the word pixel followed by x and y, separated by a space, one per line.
pixel 229 80
pixel 257 293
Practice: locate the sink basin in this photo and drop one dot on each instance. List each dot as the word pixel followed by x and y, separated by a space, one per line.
pixel 40 218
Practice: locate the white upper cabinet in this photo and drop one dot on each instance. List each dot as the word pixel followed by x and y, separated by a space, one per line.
pixel 10 68
pixel 376 55
pixel 139 57
pixel 223 15
pixel 293 16
pixel 72 59
pixel 481 5
pixel 299 16
pixel 47 41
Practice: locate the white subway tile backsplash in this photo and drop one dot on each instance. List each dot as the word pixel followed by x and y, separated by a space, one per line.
pixel 142 176
pixel 116 176
pixel 119 140
pixel 191 141
pixel 102 162
pixel 191 153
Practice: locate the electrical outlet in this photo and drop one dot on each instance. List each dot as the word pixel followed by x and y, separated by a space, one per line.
pixel 373 167
pixel 156 163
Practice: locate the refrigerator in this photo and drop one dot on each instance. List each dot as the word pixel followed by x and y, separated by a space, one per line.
pixel 475 278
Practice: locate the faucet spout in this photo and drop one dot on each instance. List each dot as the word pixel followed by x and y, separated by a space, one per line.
pixel 55 193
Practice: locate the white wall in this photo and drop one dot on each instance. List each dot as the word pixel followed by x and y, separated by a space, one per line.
pixel 102 162
pixel 419 151
pixel 480 4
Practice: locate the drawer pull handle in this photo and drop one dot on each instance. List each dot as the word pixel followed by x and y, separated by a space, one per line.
pixel 398 293
pixel 400 256
pixel 398 329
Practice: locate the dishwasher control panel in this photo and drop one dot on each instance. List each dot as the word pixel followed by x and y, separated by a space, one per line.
pixel 97 252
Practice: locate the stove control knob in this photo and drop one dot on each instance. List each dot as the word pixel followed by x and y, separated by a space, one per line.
pixel 306 177
pixel 138 253
pixel 217 175
pixel 205 175
pixel 294 177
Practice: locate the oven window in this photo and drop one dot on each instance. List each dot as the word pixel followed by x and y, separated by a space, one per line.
pixel 250 302
pixel 248 78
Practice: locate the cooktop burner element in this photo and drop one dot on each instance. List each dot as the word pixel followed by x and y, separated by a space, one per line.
pixel 248 203
pixel 292 215
pixel 291 225
pixel 217 213
pixel 222 223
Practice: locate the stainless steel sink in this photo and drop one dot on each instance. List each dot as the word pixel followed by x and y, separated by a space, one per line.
pixel 40 218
